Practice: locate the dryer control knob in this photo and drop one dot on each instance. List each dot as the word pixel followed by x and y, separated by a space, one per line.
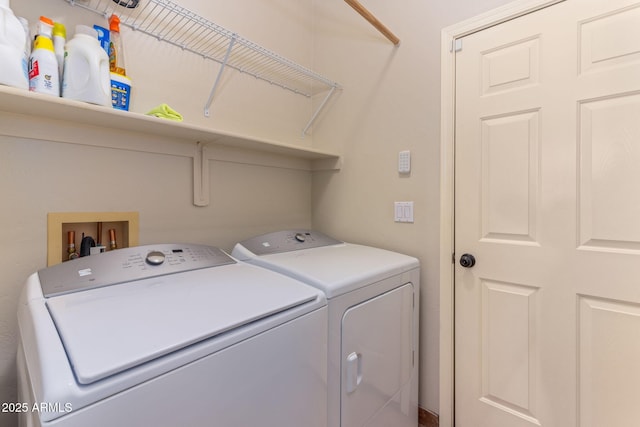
pixel 155 258
pixel 300 237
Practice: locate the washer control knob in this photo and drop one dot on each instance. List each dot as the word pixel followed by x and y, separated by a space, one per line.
pixel 300 237
pixel 155 258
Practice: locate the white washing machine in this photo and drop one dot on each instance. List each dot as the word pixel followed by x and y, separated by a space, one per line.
pixel 167 336
pixel 373 297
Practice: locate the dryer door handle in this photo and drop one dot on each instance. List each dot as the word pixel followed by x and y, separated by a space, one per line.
pixel 354 371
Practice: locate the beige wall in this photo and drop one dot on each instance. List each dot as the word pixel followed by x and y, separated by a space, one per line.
pixel 37 177
pixel 390 102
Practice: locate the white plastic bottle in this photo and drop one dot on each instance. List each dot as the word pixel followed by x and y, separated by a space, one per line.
pixel 43 68
pixel 86 69
pixel 59 35
pixel 27 47
pixel 12 44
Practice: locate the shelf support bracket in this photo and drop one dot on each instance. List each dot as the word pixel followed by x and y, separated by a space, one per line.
pixel 223 64
pixel 201 175
pixel 315 114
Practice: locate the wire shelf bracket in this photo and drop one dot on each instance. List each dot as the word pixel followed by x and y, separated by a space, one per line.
pixel 171 23
pixel 215 84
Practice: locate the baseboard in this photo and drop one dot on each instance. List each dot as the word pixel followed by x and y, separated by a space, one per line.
pixel 427 419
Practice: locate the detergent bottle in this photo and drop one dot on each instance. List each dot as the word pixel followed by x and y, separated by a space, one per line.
pixel 27 47
pixel 12 48
pixel 59 36
pixel 43 68
pixel 86 69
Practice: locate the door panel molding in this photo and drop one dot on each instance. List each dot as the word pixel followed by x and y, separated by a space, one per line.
pixel 447 148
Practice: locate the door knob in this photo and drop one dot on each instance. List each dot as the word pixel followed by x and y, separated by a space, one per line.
pixel 467 260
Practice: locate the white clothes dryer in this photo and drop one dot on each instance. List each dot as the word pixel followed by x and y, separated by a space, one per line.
pixel 373 298
pixel 170 335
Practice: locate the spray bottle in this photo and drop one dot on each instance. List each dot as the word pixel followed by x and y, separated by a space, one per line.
pixel 116 50
pixel 120 83
pixel 44 27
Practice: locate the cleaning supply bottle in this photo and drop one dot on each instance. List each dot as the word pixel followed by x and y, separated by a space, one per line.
pixel 120 91
pixel 43 68
pixel 120 82
pixel 116 50
pixel 27 47
pixel 86 69
pixel 12 47
pixel 45 27
pixel 59 40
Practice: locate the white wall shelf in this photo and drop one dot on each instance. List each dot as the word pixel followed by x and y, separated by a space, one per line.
pixel 172 23
pixel 26 114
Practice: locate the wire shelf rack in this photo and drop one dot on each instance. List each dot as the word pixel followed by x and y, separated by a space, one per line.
pixel 176 25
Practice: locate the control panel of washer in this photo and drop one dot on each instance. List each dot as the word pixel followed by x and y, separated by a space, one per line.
pixel 287 241
pixel 128 264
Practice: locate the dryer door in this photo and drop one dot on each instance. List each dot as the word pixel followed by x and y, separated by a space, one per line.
pixel 377 359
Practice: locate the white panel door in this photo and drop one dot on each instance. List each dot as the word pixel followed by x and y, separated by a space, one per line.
pixel 547 321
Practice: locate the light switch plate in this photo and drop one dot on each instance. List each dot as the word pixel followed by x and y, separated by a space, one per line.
pixel 403 211
pixel 404 161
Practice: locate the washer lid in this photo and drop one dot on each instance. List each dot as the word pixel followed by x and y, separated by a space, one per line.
pixel 110 329
pixel 335 269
